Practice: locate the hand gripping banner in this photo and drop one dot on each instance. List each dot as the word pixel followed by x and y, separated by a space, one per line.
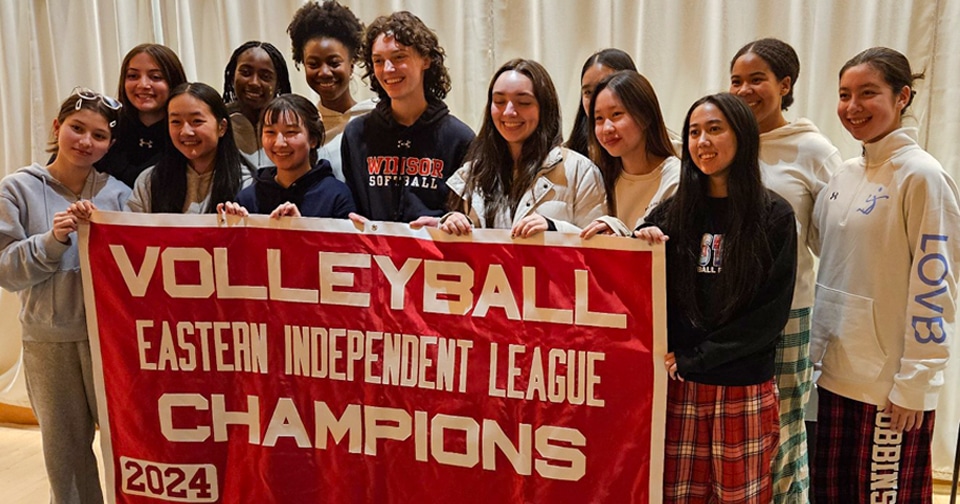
pixel 308 360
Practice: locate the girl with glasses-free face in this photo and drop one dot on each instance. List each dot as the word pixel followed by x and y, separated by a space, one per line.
pixel 326 39
pixel 255 80
pixel 328 67
pixel 288 144
pixel 868 108
pixel 514 109
pixel 146 87
pixel 195 131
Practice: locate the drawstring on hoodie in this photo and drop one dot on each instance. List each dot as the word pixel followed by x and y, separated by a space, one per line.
pixel 401 181
pixel 47 180
pixel 46 205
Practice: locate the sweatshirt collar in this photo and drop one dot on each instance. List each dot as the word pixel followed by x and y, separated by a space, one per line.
pixel 321 170
pixel 889 146
pixel 801 125
pixel 435 111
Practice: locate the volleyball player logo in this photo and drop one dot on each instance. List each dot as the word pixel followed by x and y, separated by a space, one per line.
pixel 872 200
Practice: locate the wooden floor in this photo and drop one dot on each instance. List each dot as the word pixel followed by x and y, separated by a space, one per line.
pixel 23 480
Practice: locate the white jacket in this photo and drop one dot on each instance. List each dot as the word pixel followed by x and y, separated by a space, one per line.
pixel 889 227
pixel 796 161
pixel 568 190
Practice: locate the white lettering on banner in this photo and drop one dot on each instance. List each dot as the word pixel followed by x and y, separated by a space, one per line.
pixel 558 449
pixel 575 385
pixel 169 482
pixel 449 287
pixel 223 346
pixel 337 353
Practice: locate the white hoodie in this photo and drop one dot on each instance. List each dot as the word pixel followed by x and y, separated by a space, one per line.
pixel 796 161
pixel 889 228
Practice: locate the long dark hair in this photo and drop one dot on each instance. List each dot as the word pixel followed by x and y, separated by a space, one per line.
pixel 582 126
pixel 640 101
pixel 279 66
pixel 491 164
pixel 745 248
pixel 168 181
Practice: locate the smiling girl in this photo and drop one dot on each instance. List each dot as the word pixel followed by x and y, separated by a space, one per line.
pixel 326 39
pixel 39 211
pixel 598 66
pixel 148 73
pixel 203 169
pixel 796 161
pixel 635 155
pixel 731 261
pixel 886 294
pixel 300 184
pixel 255 75
pixel 516 175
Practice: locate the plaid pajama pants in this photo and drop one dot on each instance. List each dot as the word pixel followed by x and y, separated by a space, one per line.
pixel 791 478
pixel 720 442
pixel 858 459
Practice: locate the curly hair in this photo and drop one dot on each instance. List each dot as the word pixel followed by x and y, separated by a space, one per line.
pixel 410 31
pixel 329 19
pixel 279 66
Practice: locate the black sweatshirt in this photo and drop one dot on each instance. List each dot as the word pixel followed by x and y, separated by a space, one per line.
pixel 398 173
pixel 740 351
pixel 137 148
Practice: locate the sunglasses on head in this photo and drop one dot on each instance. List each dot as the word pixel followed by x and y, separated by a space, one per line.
pixel 89 94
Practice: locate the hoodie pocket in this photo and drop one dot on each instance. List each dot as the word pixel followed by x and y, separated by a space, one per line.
pixel 845 335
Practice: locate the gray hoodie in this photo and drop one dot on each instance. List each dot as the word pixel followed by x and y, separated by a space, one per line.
pixel 45 272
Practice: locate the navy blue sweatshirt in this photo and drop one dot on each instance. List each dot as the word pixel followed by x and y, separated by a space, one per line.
pixel 741 350
pixel 398 173
pixel 317 193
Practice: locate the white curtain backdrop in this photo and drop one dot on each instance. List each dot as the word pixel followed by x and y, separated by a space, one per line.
pixel 683 46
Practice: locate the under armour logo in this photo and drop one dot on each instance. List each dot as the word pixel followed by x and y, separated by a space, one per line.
pixel 146 143
pixel 403 143
pixel 834 195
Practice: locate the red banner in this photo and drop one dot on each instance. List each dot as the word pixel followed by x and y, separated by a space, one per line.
pixel 305 360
